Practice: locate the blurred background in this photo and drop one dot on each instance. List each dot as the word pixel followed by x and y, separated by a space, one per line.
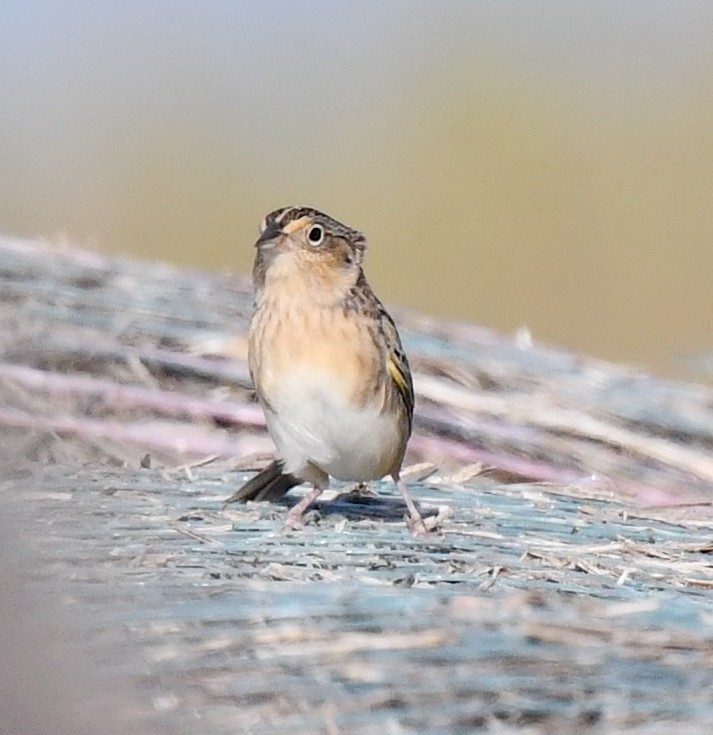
pixel 546 164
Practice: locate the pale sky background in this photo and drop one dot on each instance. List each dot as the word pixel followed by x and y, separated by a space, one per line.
pixel 546 164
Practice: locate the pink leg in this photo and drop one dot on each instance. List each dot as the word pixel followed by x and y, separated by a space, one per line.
pixel 416 524
pixel 295 518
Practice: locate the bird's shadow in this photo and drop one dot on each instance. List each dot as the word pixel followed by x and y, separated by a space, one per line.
pixel 355 504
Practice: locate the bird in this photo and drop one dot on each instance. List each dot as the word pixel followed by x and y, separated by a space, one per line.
pixel 327 364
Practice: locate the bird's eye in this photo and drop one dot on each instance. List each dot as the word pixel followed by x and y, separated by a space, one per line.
pixel 316 235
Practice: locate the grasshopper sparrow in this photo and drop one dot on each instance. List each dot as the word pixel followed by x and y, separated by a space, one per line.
pixel 327 363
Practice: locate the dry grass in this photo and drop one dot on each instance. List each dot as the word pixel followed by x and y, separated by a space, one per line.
pixel 565 589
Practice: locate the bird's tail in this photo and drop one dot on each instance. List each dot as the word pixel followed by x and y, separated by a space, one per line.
pixel 270 484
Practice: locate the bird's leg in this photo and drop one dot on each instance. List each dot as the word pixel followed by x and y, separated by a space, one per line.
pixel 295 518
pixel 415 522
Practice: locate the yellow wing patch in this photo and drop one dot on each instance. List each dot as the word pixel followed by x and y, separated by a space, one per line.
pixel 403 385
pixel 398 378
pixel 396 362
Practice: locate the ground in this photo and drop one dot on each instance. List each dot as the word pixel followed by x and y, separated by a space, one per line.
pixel 566 587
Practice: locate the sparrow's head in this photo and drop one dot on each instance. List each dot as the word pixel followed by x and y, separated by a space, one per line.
pixel 303 242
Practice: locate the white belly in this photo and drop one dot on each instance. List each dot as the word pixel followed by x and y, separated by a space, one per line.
pixel 313 424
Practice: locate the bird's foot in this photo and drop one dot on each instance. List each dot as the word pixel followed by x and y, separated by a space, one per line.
pixel 294 521
pixel 296 517
pixel 417 525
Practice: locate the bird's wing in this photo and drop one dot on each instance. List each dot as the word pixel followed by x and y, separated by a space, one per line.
pixel 397 363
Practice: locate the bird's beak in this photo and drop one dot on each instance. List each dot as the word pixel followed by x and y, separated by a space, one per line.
pixel 269 238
